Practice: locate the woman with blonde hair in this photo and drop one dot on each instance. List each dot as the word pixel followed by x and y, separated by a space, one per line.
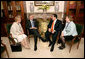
pixel 18 33
pixel 68 32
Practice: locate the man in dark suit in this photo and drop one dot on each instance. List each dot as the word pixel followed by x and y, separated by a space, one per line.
pixel 54 27
pixel 32 26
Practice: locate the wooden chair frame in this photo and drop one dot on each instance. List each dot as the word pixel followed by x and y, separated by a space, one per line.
pixel 9 34
pixel 72 42
pixel 5 48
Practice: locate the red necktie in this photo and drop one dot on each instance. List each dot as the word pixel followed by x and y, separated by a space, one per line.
pixel 52 26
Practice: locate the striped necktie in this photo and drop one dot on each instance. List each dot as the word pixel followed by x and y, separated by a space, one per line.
pixel 52 26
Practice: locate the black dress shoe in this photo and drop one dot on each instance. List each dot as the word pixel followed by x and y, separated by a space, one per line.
pixel 35 48
pixel 45 41
pixel 61 47
pixel 51 50
pixel 59 42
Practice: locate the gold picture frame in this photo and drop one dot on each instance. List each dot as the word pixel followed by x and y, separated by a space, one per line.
pixel 40 3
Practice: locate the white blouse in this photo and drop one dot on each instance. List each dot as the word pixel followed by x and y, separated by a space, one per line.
pixel 70 29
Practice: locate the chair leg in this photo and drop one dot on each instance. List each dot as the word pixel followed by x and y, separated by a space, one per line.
pixel 7 52
pixel 70 47
pixel 78 44
pixel 57 40
pixel 29 40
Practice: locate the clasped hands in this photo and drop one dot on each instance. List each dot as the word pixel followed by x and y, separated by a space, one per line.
pixel 49 29
pixel 33 28
pixel 21 32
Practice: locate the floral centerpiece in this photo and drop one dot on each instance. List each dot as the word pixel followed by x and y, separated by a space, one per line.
pixel 44 8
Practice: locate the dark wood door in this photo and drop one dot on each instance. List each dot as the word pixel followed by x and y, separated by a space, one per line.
pixel 11 9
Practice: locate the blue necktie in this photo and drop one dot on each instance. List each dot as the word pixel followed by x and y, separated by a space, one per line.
pixel 32 24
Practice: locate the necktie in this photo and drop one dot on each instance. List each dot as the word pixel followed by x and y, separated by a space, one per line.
pixel 52 26
pixel 32 24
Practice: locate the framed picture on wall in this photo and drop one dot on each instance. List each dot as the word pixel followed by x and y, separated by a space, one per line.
pixel 39 3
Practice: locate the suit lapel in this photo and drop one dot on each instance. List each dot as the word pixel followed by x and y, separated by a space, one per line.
pixel 30 23
pixel 33 22
pixel 56 24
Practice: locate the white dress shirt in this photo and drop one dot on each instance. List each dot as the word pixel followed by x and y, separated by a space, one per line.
pixel 70 29
pixel 32 23
pixel 54 24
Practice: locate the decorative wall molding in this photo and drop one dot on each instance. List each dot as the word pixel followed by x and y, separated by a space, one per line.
pixel 45 15
pixel 52 8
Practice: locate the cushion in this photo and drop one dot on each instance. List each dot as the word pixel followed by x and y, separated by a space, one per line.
pixel 8 26
pixel 2 49
pixel 79 28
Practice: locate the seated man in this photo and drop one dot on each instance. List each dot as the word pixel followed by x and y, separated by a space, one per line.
pixel 54 27
pixel 31 25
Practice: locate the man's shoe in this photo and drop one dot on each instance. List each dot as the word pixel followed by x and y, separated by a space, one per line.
pixel 61 47
pixel 45 41
pixel 35 49
pixel 51 50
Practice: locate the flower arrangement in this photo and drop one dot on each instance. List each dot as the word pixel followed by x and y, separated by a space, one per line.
pixel 44 7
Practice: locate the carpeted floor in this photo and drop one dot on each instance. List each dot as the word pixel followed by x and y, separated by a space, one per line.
pixel 44 51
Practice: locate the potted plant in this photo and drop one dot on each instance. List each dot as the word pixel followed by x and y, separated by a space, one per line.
pixel 44 8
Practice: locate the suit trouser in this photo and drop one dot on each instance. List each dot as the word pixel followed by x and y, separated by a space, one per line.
pixel 36 35
pixel 54 38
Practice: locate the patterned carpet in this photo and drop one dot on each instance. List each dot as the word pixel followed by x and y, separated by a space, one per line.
pixel 44 51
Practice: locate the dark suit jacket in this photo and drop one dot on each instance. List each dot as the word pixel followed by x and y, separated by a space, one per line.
pixel 58 25
pixel 28 24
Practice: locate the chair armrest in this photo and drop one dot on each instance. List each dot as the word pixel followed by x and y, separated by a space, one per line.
pixel 75 37
pixel 79 36
pixel 12 39
pixel 5 48
pixel 3 44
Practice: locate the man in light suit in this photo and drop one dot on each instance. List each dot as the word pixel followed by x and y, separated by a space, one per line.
pixel 54 27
